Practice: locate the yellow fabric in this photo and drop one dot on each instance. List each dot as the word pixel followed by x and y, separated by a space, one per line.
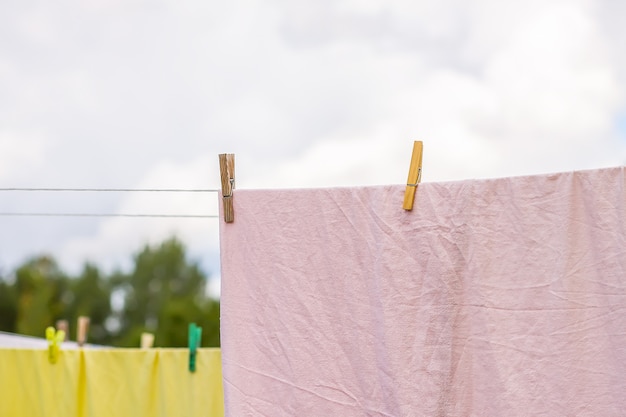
pixel 110 382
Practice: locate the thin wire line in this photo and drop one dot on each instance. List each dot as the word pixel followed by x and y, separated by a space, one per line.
pixel 191 216
pixel 150 190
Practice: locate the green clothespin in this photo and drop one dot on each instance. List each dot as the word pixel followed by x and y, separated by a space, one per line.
pixel 55 338
pixel 195 335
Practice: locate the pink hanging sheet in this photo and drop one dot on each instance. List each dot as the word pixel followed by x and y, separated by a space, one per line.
pixel 502 297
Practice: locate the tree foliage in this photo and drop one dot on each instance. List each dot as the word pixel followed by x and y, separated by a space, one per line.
pixel 162 293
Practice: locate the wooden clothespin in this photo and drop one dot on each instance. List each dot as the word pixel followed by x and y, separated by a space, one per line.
pixel 55 338
pixel 63 325
pixel 195 336
pixel 82 330
pixel 147 340
pixel 415 175
pixel 227 174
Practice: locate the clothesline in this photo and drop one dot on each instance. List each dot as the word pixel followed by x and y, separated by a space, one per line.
pixel 140 215
pixel 142 190
pixel 132 215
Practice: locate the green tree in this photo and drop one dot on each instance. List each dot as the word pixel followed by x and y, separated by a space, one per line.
pixel 41 293
pixel 8 307
pixel 90 295
pixel 163 293
pixel 210 323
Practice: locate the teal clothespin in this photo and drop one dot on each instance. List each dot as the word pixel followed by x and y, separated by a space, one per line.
pixel 195 335
pixel 55 338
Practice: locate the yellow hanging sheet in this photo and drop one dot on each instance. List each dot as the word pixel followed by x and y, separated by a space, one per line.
pixel 110 382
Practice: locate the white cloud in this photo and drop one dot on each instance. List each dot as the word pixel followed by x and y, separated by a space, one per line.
pixel 327 93
pixel 533 80
pixel 20 152
pixel 555 76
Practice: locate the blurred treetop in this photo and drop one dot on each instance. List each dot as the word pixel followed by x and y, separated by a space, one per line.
pixel 163 292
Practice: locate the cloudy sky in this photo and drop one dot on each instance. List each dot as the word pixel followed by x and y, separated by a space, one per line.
pixel 136 94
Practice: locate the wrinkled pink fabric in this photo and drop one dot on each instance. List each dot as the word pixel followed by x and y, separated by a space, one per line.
pixel 502 297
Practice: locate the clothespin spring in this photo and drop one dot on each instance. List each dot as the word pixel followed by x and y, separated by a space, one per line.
pixel 419 178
